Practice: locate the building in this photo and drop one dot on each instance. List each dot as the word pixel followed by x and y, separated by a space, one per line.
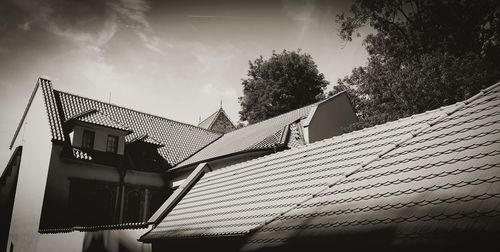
pixel 8 186
pixel 218 122
pixel 86 173
pixel 296 128
pixel 427 182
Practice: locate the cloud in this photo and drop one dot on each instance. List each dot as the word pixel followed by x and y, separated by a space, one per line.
pixel 133 14
pixel 26 26
pixel 302 12
pixel 212 91
pixel 91 22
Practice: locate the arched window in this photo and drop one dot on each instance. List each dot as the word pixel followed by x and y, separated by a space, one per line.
pixel 134 205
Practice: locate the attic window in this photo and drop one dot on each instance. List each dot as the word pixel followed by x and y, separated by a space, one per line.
pixel 112 144
pixel 88 139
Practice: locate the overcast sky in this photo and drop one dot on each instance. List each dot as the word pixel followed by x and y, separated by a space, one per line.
pixel 176 59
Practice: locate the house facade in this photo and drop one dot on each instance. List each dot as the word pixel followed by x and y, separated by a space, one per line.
pixel 89 166
pixel 87 174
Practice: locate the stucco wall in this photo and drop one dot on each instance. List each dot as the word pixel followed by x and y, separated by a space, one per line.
pixel 34 168
pixel 36 141
pixel 330 118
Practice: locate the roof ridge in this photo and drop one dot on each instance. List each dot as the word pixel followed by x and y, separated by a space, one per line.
pixel 134 110
pixel 413 134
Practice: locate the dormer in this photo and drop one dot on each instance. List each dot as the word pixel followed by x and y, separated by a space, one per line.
pixel 94 131
pixel 142 151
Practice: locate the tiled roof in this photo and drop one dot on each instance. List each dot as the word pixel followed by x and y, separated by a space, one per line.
pixel 94 116
pixel 53 112
pixel 180 140
pixel 133 225
pixel 209 120
pixel 434 171
pixel 262 135
pixel 144 138
pixel 218 122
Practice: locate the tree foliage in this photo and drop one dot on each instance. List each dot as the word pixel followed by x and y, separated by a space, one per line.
pixel 286 81
pixel 424 54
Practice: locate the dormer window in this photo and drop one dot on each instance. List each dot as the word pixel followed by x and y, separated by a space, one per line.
pixel 96 134
pixel 88 139
pixel 112 144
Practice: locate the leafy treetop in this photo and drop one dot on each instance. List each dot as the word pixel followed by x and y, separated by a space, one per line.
pixel 286 81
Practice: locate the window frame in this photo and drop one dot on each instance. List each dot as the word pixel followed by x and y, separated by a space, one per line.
pixel 119 210
pixel 114 147
pixel 87 133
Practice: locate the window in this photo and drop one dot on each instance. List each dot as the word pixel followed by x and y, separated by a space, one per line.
pixel 100 203
pixel 134 204
pixel 92 202
pixel 88 139
pixel 112 144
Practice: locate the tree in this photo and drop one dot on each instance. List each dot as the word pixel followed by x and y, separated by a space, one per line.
pixel 286 81
pixel 424 54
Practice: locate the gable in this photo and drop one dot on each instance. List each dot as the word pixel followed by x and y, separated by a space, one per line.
pixel 222 124
pixel 218 122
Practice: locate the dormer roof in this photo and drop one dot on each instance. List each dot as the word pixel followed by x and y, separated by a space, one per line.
pixel 143 138
pixel 94 116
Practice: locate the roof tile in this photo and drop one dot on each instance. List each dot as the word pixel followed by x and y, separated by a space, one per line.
pixel 94 116
pixel 261 135
pixel 180 140
pixel 405 174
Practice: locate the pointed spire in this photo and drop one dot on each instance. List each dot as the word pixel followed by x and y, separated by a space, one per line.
pixel 221 103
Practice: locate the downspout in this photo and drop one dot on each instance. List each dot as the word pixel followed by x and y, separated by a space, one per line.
pixel 121 194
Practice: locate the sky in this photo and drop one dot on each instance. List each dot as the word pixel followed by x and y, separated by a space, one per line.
pixel 176 59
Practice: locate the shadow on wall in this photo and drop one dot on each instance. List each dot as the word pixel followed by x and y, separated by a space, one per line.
pixel 112 241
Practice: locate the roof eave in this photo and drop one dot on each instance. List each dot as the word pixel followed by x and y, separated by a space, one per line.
pixel 179 168
pixel 146 239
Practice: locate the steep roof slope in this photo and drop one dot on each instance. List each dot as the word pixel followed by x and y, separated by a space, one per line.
pixel 442 181
pixel 422 170
pixel 179 140
pixel 261 135
pixel 209 120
